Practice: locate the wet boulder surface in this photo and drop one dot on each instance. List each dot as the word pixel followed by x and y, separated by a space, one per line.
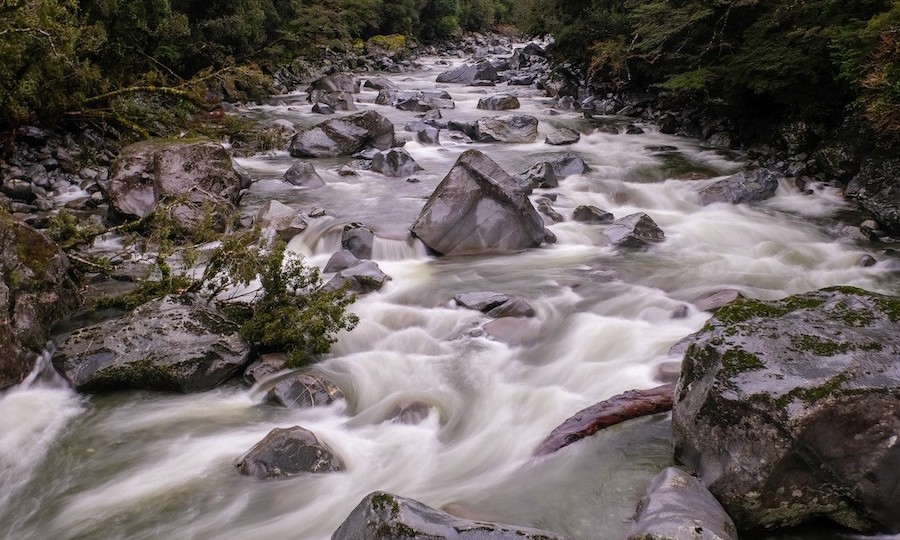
pixel 176 343
pixel 384 516
pixel 288 452
pixel 789 410
pixel 744 187
pixel 344 136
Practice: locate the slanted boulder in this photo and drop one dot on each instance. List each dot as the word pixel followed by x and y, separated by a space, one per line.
pixel 495 304
pixel 322 108
pixel 498 103
pixel 634 231
pixel 288 452
pixel 395 162
pixel 563 136
pixel 789 410
pixel 344 136
pixel 384 516
pixel 35 290
pixel 478 208
pixel 339 82
pixel 358 240
pixel 379 83
pixel 178 343
pixel 743 187
pixel 360 278
pixel 337 101
pixel 264 366
pixel 592 214
pixel 425 133
pixel 303 389
pixel 281 219
pixel 507 129
pixel 678 507
pixel 341 260
pixel 469 73
pixel 303 174
pixel 547 174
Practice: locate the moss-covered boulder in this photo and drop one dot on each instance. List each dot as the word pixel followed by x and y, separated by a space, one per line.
pixel 35 289
pixel 176 343
pixel 384 516
pixel 790 410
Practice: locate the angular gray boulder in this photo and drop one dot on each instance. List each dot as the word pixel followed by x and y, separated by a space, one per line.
pixel 344 136
pixel 513 129
pixel 563 136
pixel 177 343
pixel 358 240
pixel 303 389
pixel 479 208
pixel 288 452
pixel 303 174
pixel 495 304
pixel 498 103
pixel 790 410
pixel 875 187
pixel 35 290
pixel 341 260
pixel 592 214
pixel 744 187
pixel 469 73
pixel 339 82
pixel 634 231
pixel 678 507
pixel 281 219
pixel 360 278
pixel 384 516
pixel 395 162
pixel 547 174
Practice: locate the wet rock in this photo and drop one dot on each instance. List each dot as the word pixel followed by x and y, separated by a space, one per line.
pixel 744 187
pixel 317 212
pixel 264 366
pixel 875 187
pixel 35 290
pixel 866 261
pixel 281 219
pixel 563 136
pixel 413 413
pixel 303 174
pixel 478 208
pixel 634 231
pixel 425 134
pixel 384 516
pixel 288 452
pixel 498 103
pixel 358 240
pixel 495 304
pixel 347 170
pixel 615 410
pixel 179 343
pixel 544 207
pixel 507 129
pixel 361 278
pixel 380 83
pixel 715 300
pixel 513 330
pixel 592 214
pixel 304 389
pixel 789 410
pixel 322 108
pixel 199 174
pixel 678 507
pixel 338 101
pixel 18 190
pixel 469 73
pixel 395 162
pixel 344 136
pixel 633 130
pixel 340 82
pixel 341 260
pixel 547 174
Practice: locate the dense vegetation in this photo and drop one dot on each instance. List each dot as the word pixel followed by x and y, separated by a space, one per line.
pixel 760 59
pixel 59 56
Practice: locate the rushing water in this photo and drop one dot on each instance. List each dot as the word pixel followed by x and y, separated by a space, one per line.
pixel 147 465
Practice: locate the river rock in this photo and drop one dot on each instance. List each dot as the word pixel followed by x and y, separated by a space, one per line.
pixel 322 108
pixel 395 162
pixel 875 187
pixel 716 299
pixel 358 240
pixel 507 129
pixel 339 82
pixel 380 83
pixel 282 219
pixel 264 366
pixel 789 410
pixel 198 173
pixel 361 278
pixel 341 260
pixel 425 133
pixel 498 103
pixel 548 173
pixel 495 304
pixel 35 290
pixel 478 208
pixel 634 231
pixel 288 452
pixel 303 389
pixel 744 187
pixel 344 136
pixel 303 174
pixel 563 136
pixel 469 73
pixel 615 410
pixel 592 214
pixel 410 413
pixel 545 208
pixel 179 343
pixel 678 507
pixel 337 101
pixel 384 516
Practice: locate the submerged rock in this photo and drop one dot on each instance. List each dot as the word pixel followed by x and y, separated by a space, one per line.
pixel 744 187
pixel 303 389
pixel 495 304
pixel 478 208
pixel 395 162
pixel 288 452
pixel 507 129
pixel 678 507
pixel 789 410
pixel 344 136
pixel 634 231
pixel 384 516
pixel 180 343
pixel 35 290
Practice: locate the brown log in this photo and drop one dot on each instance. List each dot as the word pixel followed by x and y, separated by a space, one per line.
pixel 615 410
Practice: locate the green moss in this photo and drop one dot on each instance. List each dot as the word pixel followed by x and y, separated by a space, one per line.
pixel 819 346
pixel 816 393
pixel 736 361
pixel 744 309
pixel 385 502
pixel 390 43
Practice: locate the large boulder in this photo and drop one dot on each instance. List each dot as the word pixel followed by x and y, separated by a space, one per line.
pixel 547 174
pixel 303 389
pixel 358 240
pixel 395 162
pixel 498 103
pixel 507 129
pixel 495 304
pixel 478 208
pixel 337 101
pixel 339 82
pixel 469 73
pixel 416 100
pixel 281 219
pixel 563 136
pixel 790 410
pixel 634 231
pixel 179 343
pixel 384 516
pixel 197 177
pixel 303 174
pixel 288 452
pixel 361 278
pixel 678 507
pixel 344 136
pixel 877 190
pixel 35 290
pixel 744 187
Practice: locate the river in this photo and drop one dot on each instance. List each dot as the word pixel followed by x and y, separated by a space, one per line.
pixel 141 465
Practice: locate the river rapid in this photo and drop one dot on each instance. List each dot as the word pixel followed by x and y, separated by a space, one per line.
pixel 142 465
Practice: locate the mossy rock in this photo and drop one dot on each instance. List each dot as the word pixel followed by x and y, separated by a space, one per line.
pixel 789 410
